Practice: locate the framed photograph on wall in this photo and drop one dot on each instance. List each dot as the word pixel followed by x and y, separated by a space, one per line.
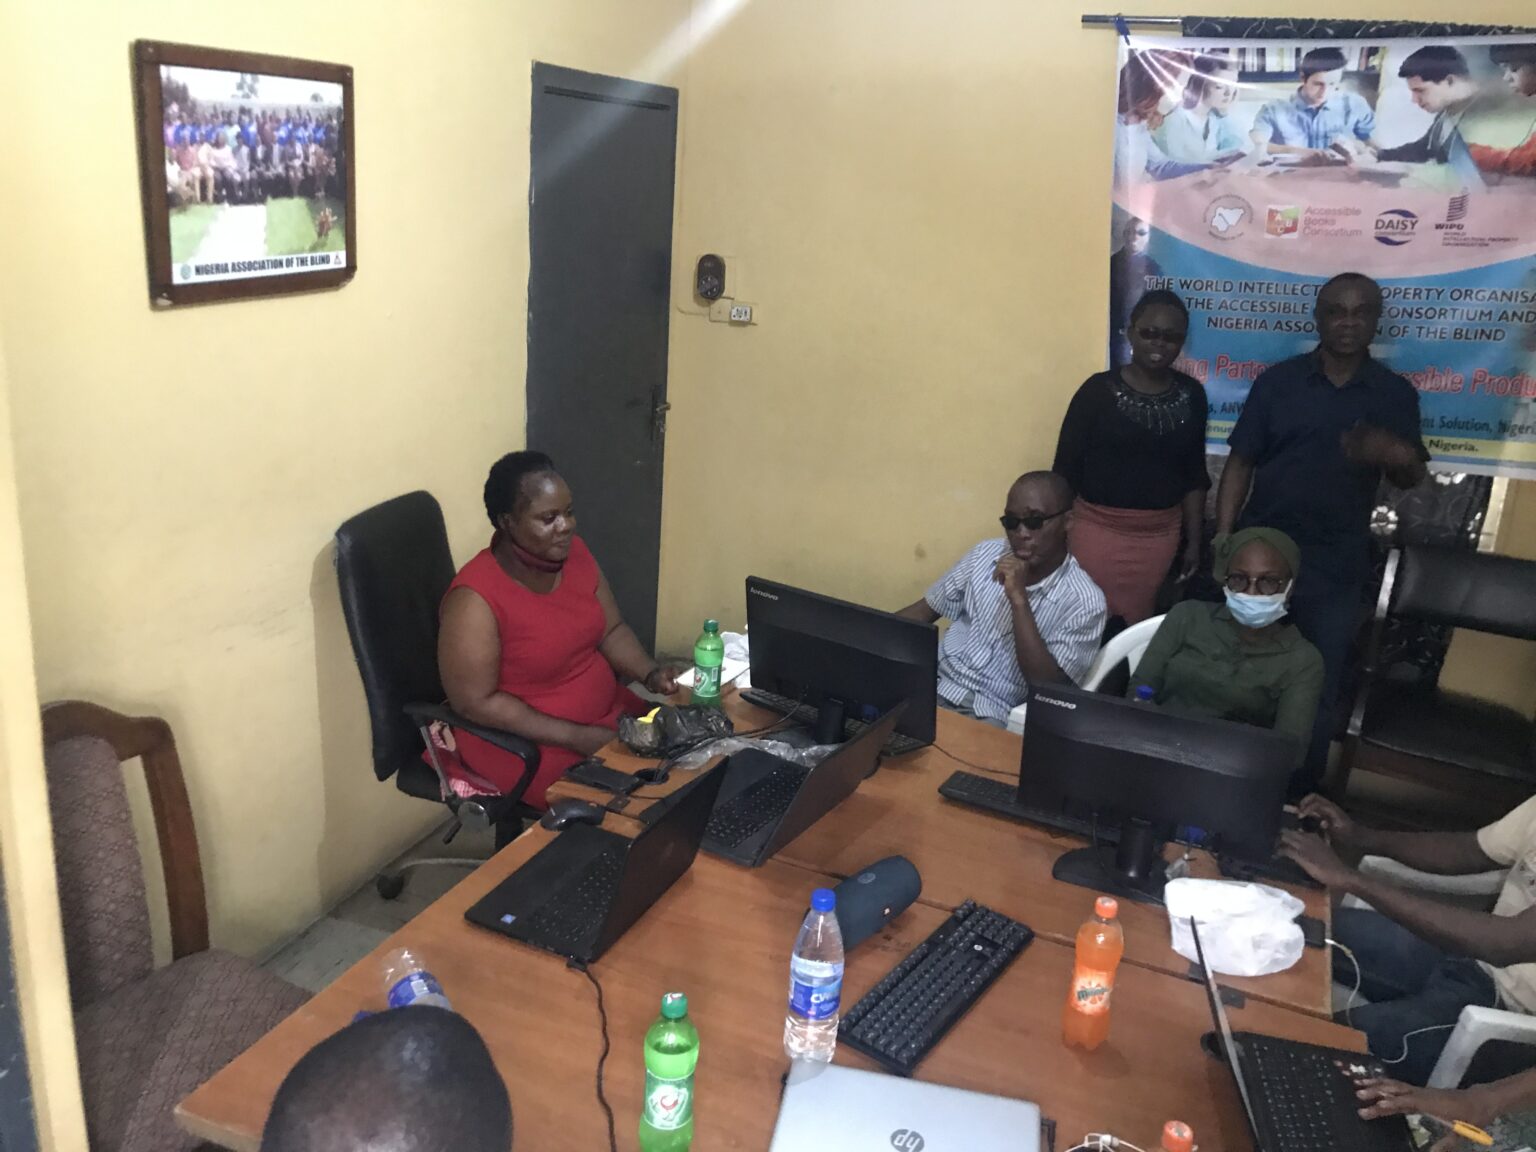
pixel 247 173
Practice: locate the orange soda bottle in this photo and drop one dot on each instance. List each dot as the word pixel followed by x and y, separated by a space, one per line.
pixel 1100 943
pixel 1178 1137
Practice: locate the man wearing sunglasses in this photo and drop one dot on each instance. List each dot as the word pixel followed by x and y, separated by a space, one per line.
pixel 1315 437
pixel 1021 610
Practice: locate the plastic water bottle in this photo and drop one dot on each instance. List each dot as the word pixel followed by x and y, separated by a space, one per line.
pixel 815 982
pixel 407 982
pixel 671 1055
pixel 708 656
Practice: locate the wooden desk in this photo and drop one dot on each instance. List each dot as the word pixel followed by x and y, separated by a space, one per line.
pixel 723 935
pixel 965 853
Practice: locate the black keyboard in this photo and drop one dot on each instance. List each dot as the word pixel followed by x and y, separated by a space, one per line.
pixel 1279 868
pixel 896 744
pixel 578 906
pixel 1002 796
pixel 756 806
pixel 901 1018
pixel 1304 1101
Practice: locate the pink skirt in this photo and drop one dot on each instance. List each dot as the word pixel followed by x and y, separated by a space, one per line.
pixel 1127 552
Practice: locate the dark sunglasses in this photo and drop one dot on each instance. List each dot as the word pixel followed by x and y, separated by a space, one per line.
pixel 1165 335
pixel 1239 583
pixel 1034 522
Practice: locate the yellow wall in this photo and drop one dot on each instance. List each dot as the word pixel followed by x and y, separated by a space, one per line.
pixel 26 843
pixel 181 473
pixel 918 193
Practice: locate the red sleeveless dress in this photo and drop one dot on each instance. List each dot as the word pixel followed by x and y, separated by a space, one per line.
pixel 549 661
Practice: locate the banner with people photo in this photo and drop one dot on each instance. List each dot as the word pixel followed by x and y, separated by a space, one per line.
pixel 1248 172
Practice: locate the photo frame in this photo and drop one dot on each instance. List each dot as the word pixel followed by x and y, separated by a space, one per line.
pixel 247 171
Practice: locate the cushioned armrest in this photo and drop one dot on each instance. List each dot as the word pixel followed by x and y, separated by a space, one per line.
pixel 525 750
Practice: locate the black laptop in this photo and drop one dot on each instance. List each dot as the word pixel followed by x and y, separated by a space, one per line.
pixel 1298 1097
pixel 766 801
pixel 583 890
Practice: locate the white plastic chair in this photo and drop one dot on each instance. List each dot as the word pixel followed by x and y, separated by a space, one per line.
pixel 1128 645
pixel 1476 1026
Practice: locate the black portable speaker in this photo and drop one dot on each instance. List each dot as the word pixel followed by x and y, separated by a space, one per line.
pixel 873 897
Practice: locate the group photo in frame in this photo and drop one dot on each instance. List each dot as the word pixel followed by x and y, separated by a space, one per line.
pixel 247 171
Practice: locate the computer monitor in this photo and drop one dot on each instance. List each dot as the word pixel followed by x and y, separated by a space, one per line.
pixel 845 660
pixel 1148 771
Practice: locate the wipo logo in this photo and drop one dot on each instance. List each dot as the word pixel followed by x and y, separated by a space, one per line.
pixel 906 1140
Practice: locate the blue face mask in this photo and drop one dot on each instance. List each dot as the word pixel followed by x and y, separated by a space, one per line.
pixel 1255 611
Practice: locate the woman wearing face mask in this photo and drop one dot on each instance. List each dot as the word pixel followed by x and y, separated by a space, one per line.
pixel 1240 660
pixel 531 640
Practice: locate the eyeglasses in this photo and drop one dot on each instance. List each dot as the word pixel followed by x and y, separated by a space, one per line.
pixel 1034 521
pixel 1164 335
pixel 1238 583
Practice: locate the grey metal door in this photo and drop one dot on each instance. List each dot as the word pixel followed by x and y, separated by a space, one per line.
pixel 600 248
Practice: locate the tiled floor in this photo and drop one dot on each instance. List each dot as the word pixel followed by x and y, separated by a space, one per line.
pixel 360 923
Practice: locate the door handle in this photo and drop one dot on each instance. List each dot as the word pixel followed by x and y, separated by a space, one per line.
pixel 659 410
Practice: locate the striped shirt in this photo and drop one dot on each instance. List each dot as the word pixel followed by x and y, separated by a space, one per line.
pixel 977 653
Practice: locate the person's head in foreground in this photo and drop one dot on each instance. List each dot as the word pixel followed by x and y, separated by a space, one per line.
pixel 408 1080
pixel 1322 72
pixel 1036 518
pixel 1347 312
pixel 1518 63
pixel 1257 568
pixel 1438 77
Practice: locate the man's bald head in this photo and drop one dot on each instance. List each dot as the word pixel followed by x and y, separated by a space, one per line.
pixel 408 1080
pixel 1035 487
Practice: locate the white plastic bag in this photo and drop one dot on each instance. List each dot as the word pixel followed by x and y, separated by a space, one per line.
pixel 1245 929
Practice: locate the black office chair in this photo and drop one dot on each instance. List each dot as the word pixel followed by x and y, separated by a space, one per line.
pixel 394 567
pixel 1421 732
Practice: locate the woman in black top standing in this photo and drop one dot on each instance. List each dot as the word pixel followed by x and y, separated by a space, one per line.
pixel 1132 445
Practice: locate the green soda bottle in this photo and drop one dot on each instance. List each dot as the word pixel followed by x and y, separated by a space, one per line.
pixel 708 655
pixel 671 1054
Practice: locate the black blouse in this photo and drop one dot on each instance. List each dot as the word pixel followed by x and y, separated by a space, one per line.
pixel 1124 449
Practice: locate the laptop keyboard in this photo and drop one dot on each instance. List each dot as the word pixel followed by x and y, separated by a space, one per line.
pixel 1303 1101
pixel 900 1019
pixel 754 807
pixel 895 744
pixel 577 907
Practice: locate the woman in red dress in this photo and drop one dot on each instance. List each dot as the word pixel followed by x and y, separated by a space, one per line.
pixel 531 639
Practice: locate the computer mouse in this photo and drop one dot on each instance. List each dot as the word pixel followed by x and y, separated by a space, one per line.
pixel 1310 824
pixel 570 811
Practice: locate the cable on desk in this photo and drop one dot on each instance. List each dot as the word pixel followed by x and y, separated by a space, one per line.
pixel 970 763
pixel 1355 991
pixel 663 769
pixel 1103 1142
pixel 602 1013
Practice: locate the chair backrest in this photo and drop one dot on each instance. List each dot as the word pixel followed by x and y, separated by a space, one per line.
pixel 1475 590
pixel 394 567
pixel 102 900
pixel 1128 645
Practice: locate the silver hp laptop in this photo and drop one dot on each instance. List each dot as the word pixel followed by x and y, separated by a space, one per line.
pixel 831 1109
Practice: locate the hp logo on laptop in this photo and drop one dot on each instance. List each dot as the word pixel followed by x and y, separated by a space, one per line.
pixel 906 1140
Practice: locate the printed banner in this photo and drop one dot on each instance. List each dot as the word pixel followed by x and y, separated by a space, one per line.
pixel 1249 172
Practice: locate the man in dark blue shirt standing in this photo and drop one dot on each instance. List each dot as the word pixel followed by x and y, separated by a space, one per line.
pixel 1315 437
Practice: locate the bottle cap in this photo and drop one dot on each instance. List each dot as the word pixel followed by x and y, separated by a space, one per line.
pixel 1178 1137
pixel 674 1005
pixel 823 899
pixel 1107 907
pixel 1145 693
pixel 711 625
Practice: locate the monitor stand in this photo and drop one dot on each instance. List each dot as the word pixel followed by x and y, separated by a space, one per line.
pixel 1132 870
pixel 829 722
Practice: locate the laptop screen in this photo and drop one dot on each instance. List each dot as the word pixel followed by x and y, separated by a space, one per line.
pixel 1223 1027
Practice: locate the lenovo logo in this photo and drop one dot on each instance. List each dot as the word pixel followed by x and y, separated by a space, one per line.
pixel 760 592
pixel 1067 704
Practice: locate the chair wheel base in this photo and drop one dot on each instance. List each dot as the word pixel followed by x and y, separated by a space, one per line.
pixel 389 886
